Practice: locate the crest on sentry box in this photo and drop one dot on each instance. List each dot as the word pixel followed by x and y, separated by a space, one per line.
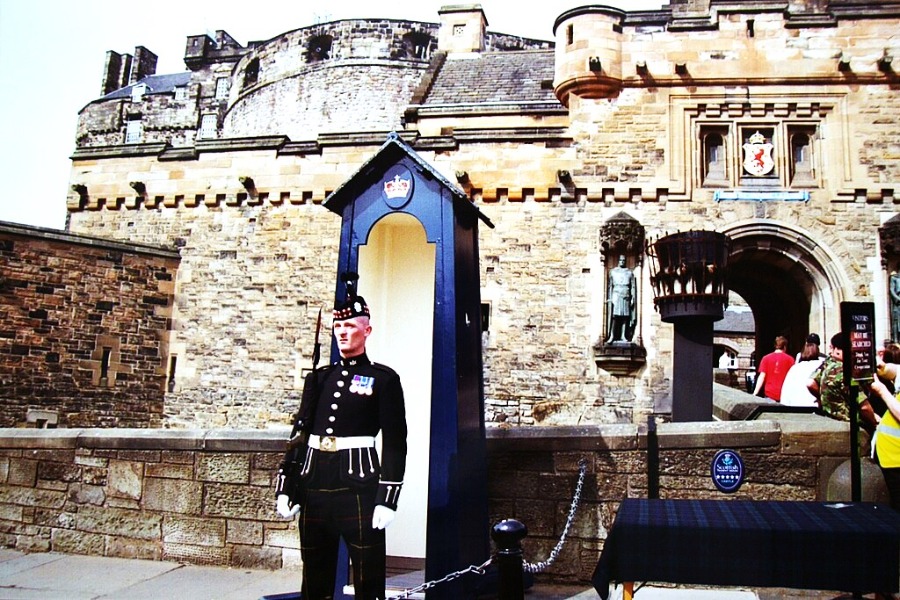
pixel 398 186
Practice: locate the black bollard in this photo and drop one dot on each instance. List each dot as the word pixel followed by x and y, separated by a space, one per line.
pixel 508 534
pixel 652 459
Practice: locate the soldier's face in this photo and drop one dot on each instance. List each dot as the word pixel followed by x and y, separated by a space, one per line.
pixel 351 335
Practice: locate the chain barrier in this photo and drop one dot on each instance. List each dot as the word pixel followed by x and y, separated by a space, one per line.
pixel 576 499
pixel 527 567
pixel 479 570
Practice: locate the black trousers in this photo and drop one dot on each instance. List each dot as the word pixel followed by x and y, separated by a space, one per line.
pixel 332 511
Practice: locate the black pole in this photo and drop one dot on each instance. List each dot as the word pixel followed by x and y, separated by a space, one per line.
pixel 855 467
pixel 508 534
pixel 652 459
pixel 692 381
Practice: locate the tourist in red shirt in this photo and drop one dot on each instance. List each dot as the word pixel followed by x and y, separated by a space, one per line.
pixel 773 369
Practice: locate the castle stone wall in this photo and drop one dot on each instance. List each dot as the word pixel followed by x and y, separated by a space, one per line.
pixel 206 497
pixel 85 325
pixel 359 96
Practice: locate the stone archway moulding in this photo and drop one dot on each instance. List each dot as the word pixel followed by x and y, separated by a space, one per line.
pixel 798 246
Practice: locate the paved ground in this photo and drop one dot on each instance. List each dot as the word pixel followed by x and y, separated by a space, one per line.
pixel 73 577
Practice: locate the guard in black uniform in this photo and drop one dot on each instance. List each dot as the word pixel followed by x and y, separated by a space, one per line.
pixel 335 480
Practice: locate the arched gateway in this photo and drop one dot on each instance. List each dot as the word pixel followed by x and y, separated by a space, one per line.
pixel 792 283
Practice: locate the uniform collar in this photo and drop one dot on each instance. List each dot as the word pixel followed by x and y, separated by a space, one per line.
pixel 359 359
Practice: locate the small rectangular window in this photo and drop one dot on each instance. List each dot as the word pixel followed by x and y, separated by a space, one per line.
pixel 207 127
pixel 104 363
pixel 173 362
pixel 181 93
pixel 222 87
pixel 137 92
pixel 134 131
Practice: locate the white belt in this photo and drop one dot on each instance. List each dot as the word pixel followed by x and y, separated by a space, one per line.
pixel 334 444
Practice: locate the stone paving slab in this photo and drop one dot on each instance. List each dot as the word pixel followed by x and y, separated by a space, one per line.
pixel 52 575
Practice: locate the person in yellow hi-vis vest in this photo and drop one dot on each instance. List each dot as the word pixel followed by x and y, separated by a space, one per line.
pixel 886 443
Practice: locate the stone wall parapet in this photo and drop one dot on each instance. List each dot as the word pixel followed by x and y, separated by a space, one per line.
pixel 205 496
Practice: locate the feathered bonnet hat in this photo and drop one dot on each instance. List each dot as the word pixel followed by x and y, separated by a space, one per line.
pixel 355 305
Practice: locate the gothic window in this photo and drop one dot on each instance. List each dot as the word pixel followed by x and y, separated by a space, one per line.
pixel 134 130
pixel 318 48
pixel 207 127
pixel 715 156
pixel 251 73
pixel 222 85
pixel 802 163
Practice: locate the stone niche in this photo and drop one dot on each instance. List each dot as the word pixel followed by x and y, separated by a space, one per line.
pixel 619 349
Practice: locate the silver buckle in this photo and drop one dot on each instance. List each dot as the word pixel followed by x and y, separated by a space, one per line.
pixel 328 444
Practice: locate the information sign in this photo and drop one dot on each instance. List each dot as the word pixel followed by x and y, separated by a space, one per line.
pixel 727 471
pixel 858 324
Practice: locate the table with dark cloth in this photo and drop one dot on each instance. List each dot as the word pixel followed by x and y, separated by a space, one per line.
pixel 851 547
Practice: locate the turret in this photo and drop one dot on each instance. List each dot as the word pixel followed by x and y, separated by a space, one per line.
pixel 588 52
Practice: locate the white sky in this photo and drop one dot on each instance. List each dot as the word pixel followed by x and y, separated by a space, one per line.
pixel 52 54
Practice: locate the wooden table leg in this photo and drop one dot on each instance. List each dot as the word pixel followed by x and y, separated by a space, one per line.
pixel 628 590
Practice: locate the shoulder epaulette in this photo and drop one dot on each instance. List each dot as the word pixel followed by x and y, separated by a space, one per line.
pixel 382 367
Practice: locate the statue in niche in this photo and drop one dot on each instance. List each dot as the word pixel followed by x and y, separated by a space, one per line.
pixel 621 294
pixel 895 306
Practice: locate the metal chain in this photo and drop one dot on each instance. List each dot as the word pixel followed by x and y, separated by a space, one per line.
pixel 478 570
pixel 538 567
pixel 527 567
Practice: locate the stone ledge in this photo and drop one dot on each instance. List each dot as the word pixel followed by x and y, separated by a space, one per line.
pixel 66 237
pixel 587 437
pixel 215 440
pixel 718 434
pixel 240 440
pixel 798 433
pixel 142 439
pixel 39 438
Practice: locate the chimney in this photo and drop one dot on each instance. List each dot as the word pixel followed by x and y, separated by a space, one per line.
pixel 144 64
pixel 115 72
pixel 462 28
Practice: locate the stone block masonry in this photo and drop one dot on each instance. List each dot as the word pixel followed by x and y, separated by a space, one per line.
pixel 84 328
pixel 206 496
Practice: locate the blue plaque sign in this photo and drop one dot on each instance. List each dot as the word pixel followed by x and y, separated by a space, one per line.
pixel 727 471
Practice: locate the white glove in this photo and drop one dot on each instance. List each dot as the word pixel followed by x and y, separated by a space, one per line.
pixel 382 517
pixel 284 509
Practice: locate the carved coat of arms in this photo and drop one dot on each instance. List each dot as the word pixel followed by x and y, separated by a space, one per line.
pixel 758 159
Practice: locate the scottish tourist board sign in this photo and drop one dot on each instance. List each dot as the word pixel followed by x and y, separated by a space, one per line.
pixel 727 471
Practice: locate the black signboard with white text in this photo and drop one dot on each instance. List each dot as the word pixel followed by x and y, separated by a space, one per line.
pixel 858 324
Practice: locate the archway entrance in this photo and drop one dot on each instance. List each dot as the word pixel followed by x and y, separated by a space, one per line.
pixel 790 282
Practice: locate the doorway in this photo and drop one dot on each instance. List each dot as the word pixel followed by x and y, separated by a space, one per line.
pixel 791 283
pixel 397 274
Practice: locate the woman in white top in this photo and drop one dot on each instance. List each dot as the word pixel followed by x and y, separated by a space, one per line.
pixel 793 391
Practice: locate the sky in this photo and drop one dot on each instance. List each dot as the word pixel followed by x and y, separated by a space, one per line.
pixel 52 54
